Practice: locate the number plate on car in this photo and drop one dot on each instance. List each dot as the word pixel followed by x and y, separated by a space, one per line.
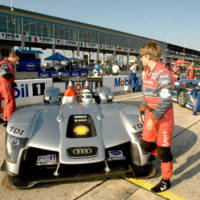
pixel 49 159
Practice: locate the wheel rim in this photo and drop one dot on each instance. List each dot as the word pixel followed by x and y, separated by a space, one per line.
pixel 181 98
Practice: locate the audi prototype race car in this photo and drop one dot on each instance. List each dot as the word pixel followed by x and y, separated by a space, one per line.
pixel 80 140
pixel 187 94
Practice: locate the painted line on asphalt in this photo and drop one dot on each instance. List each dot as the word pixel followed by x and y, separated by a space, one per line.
pixel 127 98
pixel 143 184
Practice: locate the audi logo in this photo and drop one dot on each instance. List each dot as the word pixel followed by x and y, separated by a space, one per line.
pixel 84 151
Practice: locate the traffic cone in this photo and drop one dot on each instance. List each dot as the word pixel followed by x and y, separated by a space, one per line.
pixel 86 86
pixel 70 95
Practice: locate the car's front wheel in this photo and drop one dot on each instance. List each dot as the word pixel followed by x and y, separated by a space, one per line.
pixel 182 98
pixel 146 171
pixel 15 182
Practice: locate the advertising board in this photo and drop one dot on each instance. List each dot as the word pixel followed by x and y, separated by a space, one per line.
pixel 31 91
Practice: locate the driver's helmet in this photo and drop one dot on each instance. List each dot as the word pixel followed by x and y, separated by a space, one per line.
pixel 86 96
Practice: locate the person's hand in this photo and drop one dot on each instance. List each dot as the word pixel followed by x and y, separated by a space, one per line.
pixel 8 75
pixel 150 125
pixel 13 85
pixel 141 117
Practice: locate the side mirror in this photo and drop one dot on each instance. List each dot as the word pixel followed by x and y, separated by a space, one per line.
pixel 52 95
pixel 105 94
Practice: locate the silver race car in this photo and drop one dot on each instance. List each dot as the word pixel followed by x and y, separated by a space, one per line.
pixel 83 140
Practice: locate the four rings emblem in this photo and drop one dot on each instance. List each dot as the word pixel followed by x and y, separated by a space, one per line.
pixel 79 151
pixel 82 151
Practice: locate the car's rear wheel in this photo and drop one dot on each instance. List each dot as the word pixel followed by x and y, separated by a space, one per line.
pixel 182 98
pixel 146 171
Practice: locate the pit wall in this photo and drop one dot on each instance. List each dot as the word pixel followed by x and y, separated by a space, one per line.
pixel 31 91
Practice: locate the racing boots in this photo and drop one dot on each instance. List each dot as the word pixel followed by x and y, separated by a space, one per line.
pixel 162 186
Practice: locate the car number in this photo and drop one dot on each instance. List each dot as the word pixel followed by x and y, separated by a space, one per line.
pixel 49 159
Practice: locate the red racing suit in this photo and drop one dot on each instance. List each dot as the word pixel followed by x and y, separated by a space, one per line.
pixel 191 72
pixel 157 88
pixel 7 78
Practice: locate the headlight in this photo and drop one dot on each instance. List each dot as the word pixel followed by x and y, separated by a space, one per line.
pixel 13 146
pixel 81 130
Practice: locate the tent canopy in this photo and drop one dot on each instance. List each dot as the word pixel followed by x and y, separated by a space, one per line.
pixel 58 57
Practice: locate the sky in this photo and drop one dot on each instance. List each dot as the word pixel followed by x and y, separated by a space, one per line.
pixel 172 21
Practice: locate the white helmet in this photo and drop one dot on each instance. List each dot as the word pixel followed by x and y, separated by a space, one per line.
pixel 86 96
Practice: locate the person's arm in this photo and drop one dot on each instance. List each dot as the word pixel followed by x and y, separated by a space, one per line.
pixel 165 89
pixel 4 71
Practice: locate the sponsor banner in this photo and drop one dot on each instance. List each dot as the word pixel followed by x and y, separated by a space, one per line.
pixel 31 91
pixel 101 46
pixel 82 44
pixel 60 42
pixel 39 39
pixel 71 43
pixel 10 36
pixel 48 40
pixel 109 47
pixel 91 45
pixel 117 83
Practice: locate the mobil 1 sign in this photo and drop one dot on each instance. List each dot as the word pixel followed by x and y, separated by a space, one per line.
pixel 31 91
pixel 38 89
pixel 117 83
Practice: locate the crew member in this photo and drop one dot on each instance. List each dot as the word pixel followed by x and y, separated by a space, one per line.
pixel 7 86
pixel 191 71
pixel 97 70
pixel 133 74
pixel 157 112
pixel 115 69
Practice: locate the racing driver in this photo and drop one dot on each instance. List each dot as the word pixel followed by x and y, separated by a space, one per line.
pixel 7 85
pixel 157 111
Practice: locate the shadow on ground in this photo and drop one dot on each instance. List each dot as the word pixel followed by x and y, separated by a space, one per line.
pixel 182 144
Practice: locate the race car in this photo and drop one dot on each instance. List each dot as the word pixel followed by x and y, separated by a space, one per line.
pixel 77 140
pixel 187 94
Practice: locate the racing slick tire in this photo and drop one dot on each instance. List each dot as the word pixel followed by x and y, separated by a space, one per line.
pixel 182 98
pixel 14 182
pixel 146 171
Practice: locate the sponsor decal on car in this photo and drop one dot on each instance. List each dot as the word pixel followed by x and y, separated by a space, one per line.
pixel 116 155
pixel 49 159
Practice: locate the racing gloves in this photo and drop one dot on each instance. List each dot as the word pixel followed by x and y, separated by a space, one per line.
pixel 142 113
pixel 8 75
pixel 13 85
